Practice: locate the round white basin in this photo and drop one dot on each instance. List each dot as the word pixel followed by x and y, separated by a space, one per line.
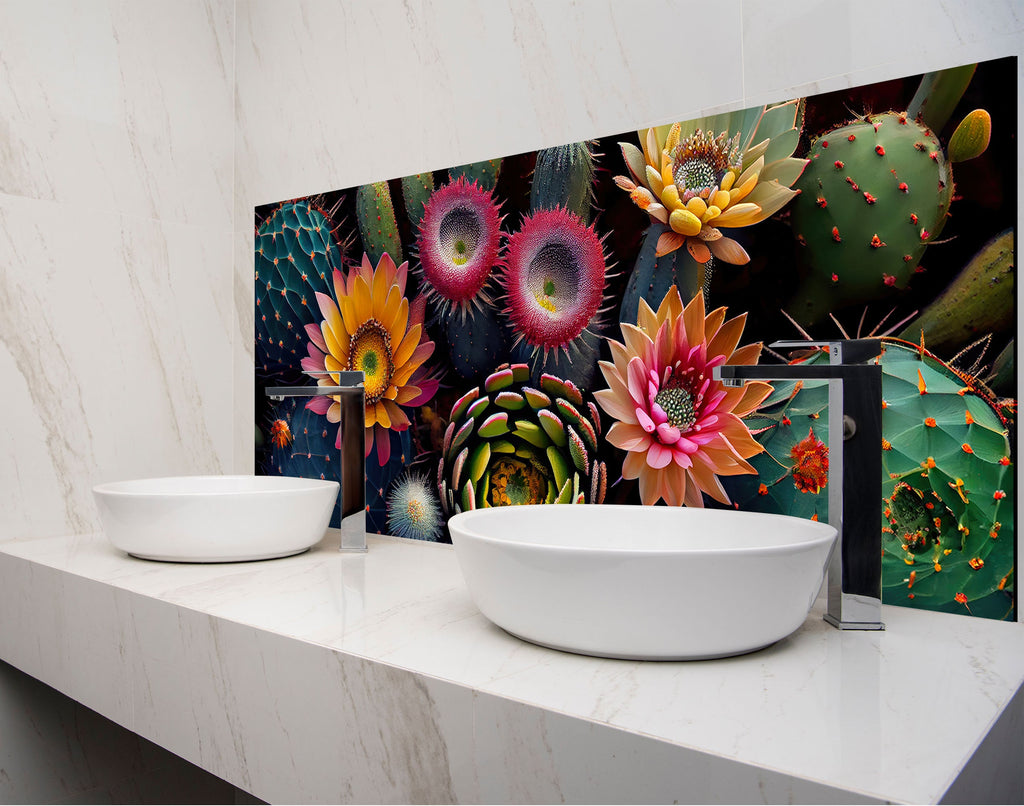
pixel 642 582
pixel 207 519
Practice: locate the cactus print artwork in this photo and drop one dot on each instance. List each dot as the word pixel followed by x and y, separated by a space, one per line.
pixel 543 327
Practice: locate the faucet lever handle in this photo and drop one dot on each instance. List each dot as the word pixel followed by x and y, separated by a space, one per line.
pixel 798 344
pixel 842 351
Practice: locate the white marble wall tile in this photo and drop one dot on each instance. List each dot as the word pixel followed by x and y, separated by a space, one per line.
pixel 115 250
pixel 798 48
pixel 243 350
pixel 119 105
pixel 331 96
pixel 115 338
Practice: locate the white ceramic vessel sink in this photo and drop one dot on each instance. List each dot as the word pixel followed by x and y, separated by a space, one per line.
pixel 209 519
pixel 646 583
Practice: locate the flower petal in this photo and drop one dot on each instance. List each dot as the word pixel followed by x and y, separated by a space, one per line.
pixel 740 215
pixel 319 403
pixel 674 485
pixel 628 437
pixel 728 336
pixel 361 298
pixel 405 349
pixel 671 305
pixel 770 197
pixel 712 323
pixel 642 417
pixel 634 159
pixel 634 465
pixel 683 221
pixel 389 311
pixel 637 382
pixel 653 179
pixel 637 341
pixel 668 434
pixel 658 212
pixel 614 403
pixel 399 419
pixel 698 251
pixel 738 194
pixel 668 242
pixel 658 456
pixel 785 171
pixel 748 354
pixel 729 251
pixel 693 319
pixel 379 436
pixel 316 337
pixel 379 289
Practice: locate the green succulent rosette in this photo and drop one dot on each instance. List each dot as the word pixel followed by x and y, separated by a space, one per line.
pixel 510 443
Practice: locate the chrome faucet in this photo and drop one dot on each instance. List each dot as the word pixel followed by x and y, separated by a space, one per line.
pixel 353 455
pixel 854 598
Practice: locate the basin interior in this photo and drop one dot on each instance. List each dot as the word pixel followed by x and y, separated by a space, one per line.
pixel 639 529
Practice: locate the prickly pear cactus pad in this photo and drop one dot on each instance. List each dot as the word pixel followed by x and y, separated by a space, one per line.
pixel 874 196
pixel 948 490
pixel 546 327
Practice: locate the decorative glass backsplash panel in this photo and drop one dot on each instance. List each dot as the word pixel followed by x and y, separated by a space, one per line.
pixel 542 327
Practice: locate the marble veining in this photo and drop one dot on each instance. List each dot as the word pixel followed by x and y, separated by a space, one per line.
pixel 326 676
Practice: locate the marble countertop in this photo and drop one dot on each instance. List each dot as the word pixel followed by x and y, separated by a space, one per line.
pixel 373 678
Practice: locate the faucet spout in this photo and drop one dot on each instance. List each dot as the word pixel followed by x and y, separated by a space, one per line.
pixel 854 594
pixel 349 390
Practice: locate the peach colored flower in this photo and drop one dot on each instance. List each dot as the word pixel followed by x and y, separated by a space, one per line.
pixel 681 429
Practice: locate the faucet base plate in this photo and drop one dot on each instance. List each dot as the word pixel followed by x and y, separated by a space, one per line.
pixel 853 625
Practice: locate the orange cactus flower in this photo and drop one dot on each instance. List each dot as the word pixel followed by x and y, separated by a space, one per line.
pixel 369 325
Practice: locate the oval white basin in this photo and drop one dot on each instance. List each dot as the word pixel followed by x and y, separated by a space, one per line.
pixel 642 582
pixel 209 519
